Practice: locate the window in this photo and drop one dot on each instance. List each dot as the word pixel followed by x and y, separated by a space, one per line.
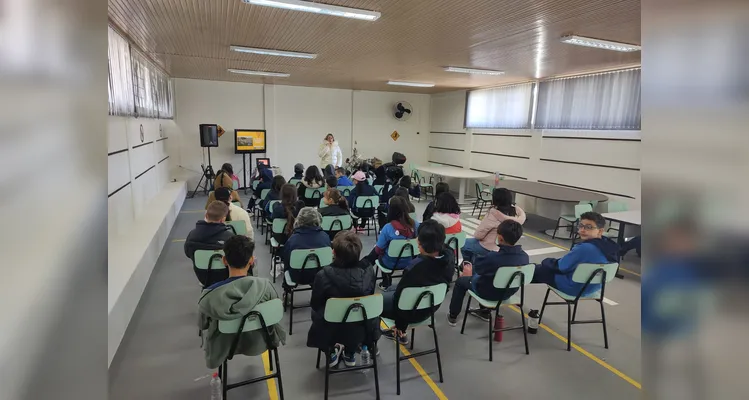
pixel 121 100
pixel 502 107
pixel 605 101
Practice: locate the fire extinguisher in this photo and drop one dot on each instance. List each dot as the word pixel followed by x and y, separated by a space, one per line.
pixel 533 321
pixel 499 323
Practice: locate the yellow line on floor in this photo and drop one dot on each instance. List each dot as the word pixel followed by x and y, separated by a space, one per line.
pixel 178 240
pixel 587 354
pixel 428 379
pixel 272 391
pixel 567 249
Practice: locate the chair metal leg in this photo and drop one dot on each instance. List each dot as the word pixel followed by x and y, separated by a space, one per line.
pixel 554 235
pixel 413 338
pixel 569 328
pixel 224 379
pixel 291 312
pixel 270 360
pixel 475 205
pixel 525 328
pixel 397 368
pixel 465 315
pixel 574 312
pixel 278 369
pixel 437 349
pixel 543 306
pixel 491 339
pixel 376 373
pixel 603 321
pixel 327 372
pixel 317 365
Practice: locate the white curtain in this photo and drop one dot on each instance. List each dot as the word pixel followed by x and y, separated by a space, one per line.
pixel 606 101
pixel 502 107
pixel 121 100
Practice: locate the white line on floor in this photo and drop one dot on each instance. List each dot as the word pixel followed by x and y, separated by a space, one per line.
pixel 545 250
pixel 610 302
pixel 466 222
pixel 468 230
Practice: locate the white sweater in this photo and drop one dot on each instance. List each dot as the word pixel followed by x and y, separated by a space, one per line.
pixel 330 155
pixel 239 214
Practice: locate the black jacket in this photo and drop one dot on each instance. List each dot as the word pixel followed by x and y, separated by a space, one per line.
pixel 428 212
pixel 423 271
pixel 304 238
pixel 208 236
pixel 337 281
pixel 279 212
pixel 486 267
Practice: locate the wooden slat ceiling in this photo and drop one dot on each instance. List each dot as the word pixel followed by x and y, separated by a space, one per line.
pixel 412 41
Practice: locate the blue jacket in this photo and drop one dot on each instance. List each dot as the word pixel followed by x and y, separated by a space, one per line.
pixel 362 189
pixel 266 176
pixel 303 238
pixel 594 251
pixel 387 235
pixel 345 181
pixel 272 195
pixel 486 267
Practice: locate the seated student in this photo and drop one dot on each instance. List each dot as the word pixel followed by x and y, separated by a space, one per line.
pixel 433 266
pixel 312 180
pixel 594 248
pixel 223 179
pixel 439 188
pixel 236 213
pixel 382 210
pixel 479 277
pixel 298 171
pixel 307 234
pixel 347 277
pixel 331 182
pixel 288 208
pixel 274 194
pixel 399 226
pixel 484 239
pixel 362 188
pixel 266 181
pixel 336 206
pixel 633 243
pixel 343 180
pixel 329 170
pixel 447 213
pixel 209 234
pixel 228 169
pixel 234 298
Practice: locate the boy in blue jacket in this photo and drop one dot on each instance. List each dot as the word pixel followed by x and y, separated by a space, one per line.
pixel 481 278
pixel 343 180
pixel 594 249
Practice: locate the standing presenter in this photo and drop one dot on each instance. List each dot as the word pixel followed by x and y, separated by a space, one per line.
pixel 330 152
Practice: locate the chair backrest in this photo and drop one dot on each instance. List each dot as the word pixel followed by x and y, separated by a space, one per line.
pixel 512 277
pixel 322 203
pixel 272 203
pixel 413 216
pixel 239 227
pixel 234 184
pixel 294 181
pixel 345 190
pixel 403 248
pixel 378 189
pixel 418 298
pixel 417 176
pixel 582 208
pixel 236 203
pixel 269 312
pixel 616 206
pixel 367 202
pixel 455 241
pixel 254 184
pixel 311 258
pixel 352 309
pixel 279 225
pixel 370 180
pixel 583 272
pixel 331 223
pixel 313 193
pixel 264 193
pixel 209 259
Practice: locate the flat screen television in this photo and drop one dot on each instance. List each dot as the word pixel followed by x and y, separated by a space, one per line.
pixel 249 141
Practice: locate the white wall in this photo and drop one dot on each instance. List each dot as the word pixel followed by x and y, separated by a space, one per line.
pixel 296 120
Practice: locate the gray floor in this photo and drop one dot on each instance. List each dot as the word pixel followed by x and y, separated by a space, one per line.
pixel 160 356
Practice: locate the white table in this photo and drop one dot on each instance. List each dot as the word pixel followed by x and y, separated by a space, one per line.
pixel 454 172
pixel 632 217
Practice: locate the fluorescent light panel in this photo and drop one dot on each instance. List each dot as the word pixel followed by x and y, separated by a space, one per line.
pixel 414 84
pixel 318 8
pixel 271 52
pixel 259 73
pixel 475 71
pixel 600 44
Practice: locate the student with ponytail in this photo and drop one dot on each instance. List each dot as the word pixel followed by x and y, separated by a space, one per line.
pixel 288 208
pixel 336 203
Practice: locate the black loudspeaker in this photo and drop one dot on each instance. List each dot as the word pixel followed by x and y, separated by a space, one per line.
pixel 208 135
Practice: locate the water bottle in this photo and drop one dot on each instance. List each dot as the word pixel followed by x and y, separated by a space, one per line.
pixel 533 321
pixel 216 393
pixel 499 323
pixel 366 358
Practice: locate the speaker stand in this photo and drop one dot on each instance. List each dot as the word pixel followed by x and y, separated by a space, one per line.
pixel 208 175
pixel 244 170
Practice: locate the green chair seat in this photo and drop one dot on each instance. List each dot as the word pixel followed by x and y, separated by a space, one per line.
pixel 426 185
pixel 383 269
pixel 592 296
pixel 391 323
pixel 289 281
pixel 274 243
pixel 486 303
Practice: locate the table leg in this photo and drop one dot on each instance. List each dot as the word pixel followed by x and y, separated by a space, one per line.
pixel 462 191
pixel 620 241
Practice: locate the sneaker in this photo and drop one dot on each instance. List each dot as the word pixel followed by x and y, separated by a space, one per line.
pixel 390 334
pixel 349 359
pixel 452 321
pixel 382 285
pixel 335 356
pixel 484 315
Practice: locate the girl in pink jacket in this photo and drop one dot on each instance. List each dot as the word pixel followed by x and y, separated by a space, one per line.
pixel 485 237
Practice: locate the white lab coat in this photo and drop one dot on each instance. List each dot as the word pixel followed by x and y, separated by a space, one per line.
pixel 330 155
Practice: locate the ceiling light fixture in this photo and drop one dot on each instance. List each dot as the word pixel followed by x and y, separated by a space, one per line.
pixel 318 8
pixel 259 73
pixel 414 84
pixel 271 52
pixel 475 71
pixel 600 44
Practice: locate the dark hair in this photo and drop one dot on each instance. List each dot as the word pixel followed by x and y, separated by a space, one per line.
pixel 216 211
pixel 288 201
pixel 329 134
pixel 340 170
pixel 510 230
pixel 224 194
pixel 441 187
pixel 329 170
pixel 312 174
pixel 502 201
pixel 298 168
pixel 238 251
pixel 446 204
pixel 331 181
pixel 227 168
pixel 277 182
pixel 431 236
pixel 337 198
pixel 403 192
pixel 595 217
pixel 347 248
pixel 405 182
pixel 398 211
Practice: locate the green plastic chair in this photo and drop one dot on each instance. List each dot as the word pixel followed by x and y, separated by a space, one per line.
pixel 313 193
pixel 209 260
pixel 378 189
pixel 303 259
pixel 294 182
pixel 261 317
pixel 278 226
pixel 337 223
pixel 587 274
pixel 455 241
pixel 398 248
pixel 367 203
pixel 265 227
pixel 419 298
pixel 238 227
pixel 322 203
pixel 234 185
pixel 254 184
pixel 345 190
pixel 506 278
pixel 258 209
pixel 350 311
pixel 428 188
pixel 236 203
pixel 572 219
pixel 414 216
pixel 483 198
